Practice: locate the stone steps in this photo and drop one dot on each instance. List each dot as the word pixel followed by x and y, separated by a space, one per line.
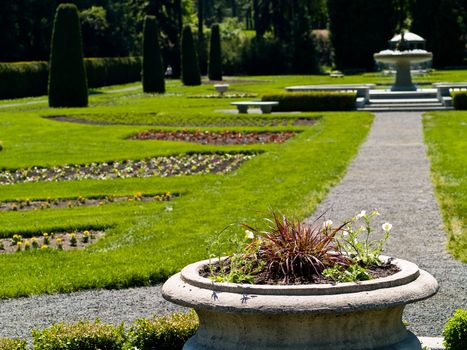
pixel 385 101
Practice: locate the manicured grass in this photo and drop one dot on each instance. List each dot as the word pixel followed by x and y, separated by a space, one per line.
pixel 147 242
pixel 446 137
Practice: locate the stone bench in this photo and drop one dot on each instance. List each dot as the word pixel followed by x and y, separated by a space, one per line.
pixel 362 90
pixel 266 106
pixel 444 89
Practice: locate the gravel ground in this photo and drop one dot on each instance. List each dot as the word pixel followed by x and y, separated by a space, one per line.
pixel 390 173
pixel 19 316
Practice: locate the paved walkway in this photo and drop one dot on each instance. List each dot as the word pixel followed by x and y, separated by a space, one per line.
pixel 391 173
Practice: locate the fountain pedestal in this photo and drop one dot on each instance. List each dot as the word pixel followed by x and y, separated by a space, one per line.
pixel 402 60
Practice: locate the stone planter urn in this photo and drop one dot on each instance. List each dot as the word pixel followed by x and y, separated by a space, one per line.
pixel 221 88
pixel 357 316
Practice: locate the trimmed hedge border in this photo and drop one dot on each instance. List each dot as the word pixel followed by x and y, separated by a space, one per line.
pixel 168 332
pixel 26 79
pixel 459 100
pixel 455 331
pixel 313 101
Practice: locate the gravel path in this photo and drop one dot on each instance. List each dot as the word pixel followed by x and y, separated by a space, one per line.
pixel 391 173
pixel 19 316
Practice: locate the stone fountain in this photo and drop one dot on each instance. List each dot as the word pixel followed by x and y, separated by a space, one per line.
pixel 407 48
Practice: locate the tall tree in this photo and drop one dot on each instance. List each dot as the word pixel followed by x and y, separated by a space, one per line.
pixel 190 66
pixel 202 54
pixel 67 75
pixel 153 70
pixel 440 23
pixel 359 28
pixel 215 54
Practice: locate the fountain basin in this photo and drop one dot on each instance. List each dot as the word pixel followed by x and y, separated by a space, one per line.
pixel 403 60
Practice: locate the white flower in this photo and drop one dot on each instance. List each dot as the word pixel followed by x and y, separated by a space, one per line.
pixel 386 226
pixel 361 214
pixel 249 234
pixel 327 224
pixel 345 233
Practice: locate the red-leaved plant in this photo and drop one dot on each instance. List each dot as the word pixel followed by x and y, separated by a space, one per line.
pixel 293 251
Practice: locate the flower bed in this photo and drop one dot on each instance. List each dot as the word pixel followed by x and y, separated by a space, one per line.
pixel 28 204
pixel 58 241
pixel 215 138
pixel 180 121
pixel 160 166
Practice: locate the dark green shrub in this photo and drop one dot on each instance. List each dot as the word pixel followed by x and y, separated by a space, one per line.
pixel 83 335
pixel 13 344
pixel 112 70
pixel 313 101
pixel 153 71
pixel 1 145
pixel 23 79
pixel 190 65
pixel 163 333
pixel 459 100
pixel 67 75
pixel 215 54
pixel 455 331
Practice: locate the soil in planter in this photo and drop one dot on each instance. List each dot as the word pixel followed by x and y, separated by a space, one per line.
pixel 265 278
pixel 215 138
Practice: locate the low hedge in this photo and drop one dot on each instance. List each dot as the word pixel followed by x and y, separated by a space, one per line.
pixel 313 101
pixel 459 100
pixel 112 70
pixel 79 336
pixel 26 79
pixel 13 344
pixel 22 79
pixel 455 331
pixel 163 333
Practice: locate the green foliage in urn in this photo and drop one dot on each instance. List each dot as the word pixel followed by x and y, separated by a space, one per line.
pixel 455 331
pixel 215 54
pixel 190 66
pixel 153 71
pixel 67 74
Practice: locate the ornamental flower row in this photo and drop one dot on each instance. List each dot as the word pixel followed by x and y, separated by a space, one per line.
pixel 159 166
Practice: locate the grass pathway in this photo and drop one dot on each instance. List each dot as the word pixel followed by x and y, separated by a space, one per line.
pixel 392 174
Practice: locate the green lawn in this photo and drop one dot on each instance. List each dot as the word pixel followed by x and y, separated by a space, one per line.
pixel 147 242
pixel 446 137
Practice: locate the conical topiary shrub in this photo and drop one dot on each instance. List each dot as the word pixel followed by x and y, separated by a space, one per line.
pixel 67 75
pixel 215 54
pixel 153 72
pixel 190 64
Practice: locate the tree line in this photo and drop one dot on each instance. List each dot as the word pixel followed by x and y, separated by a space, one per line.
pixel 279 32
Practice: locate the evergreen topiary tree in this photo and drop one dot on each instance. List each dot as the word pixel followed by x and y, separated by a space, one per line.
pixel 190 65
pixel 67 75
pixel 215 54
pixel 153 72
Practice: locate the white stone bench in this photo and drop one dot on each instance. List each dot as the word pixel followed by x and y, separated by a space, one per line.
pixel 444 89
pixel 266 106
pixel 362 90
